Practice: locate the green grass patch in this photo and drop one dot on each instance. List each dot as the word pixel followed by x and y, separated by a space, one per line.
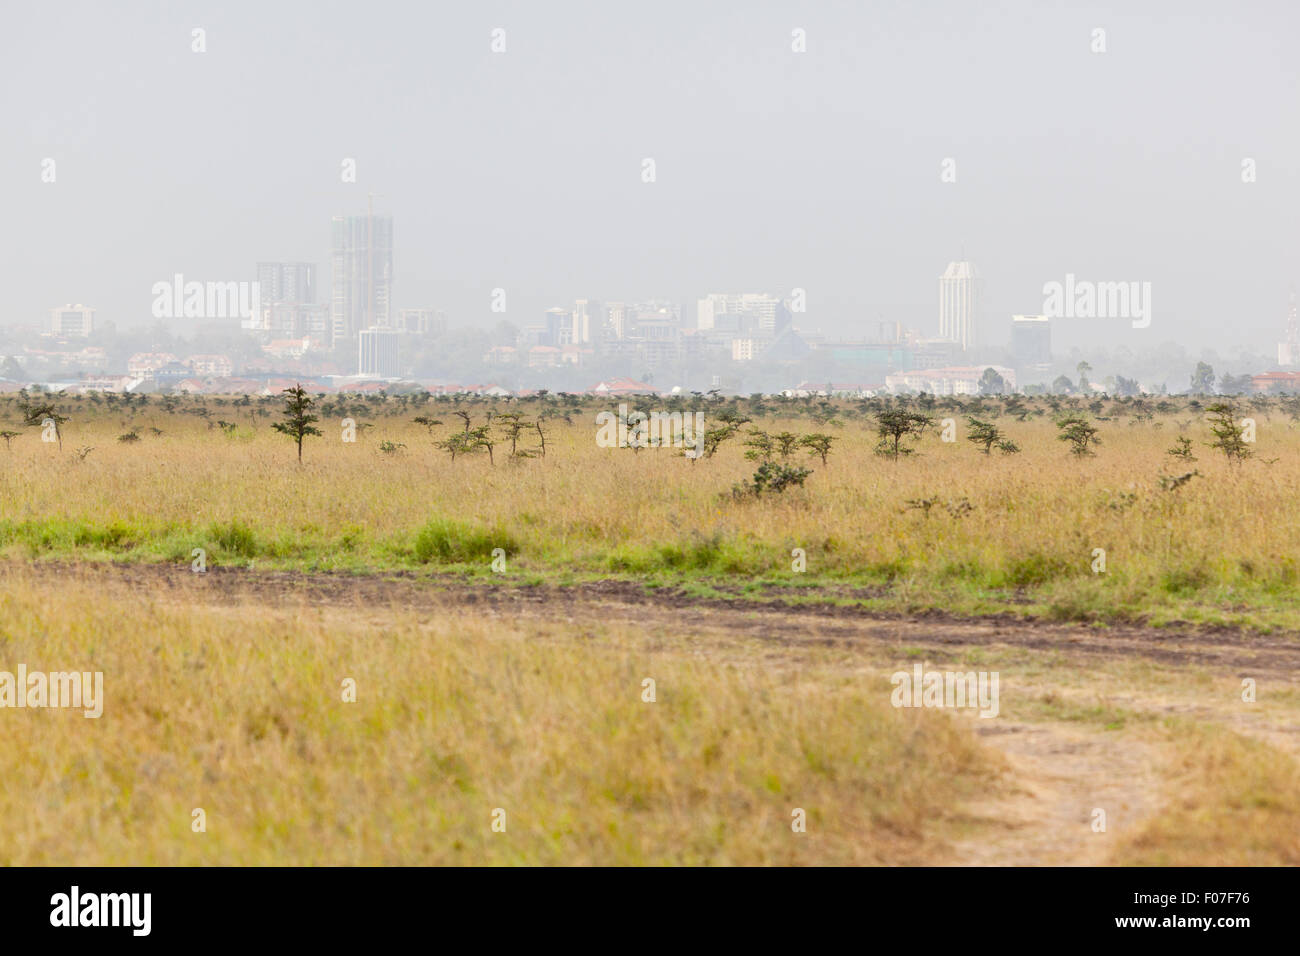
pixel 445 541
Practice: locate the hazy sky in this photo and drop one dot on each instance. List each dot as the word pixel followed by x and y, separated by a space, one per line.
pixel 775 169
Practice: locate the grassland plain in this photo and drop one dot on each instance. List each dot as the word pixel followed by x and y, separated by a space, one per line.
pixel 225 692
pixel 947 528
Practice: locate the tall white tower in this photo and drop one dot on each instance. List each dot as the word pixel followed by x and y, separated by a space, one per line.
pixel 1288 352
pixel 958 303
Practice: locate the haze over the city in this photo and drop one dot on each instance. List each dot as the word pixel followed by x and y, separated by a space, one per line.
pixel 775 169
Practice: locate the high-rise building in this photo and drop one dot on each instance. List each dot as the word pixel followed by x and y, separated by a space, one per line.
pixel 559 327
pixel 959 303
pixel 286 282
pixel 766 313
pixel 72 320
pixel 286 302
pixel 421 322
pixel 361 275
pixel 379 353
pixel 1031 340
pixel 616 319
pixel 588 321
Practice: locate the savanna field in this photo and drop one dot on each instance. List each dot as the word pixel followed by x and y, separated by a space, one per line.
pixel 498 611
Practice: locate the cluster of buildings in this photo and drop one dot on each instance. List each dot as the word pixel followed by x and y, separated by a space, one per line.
pixel 360 313
pixel 747 327
pixel 301 330
pixel 740 327
pixel 312 329
pixel 1275 382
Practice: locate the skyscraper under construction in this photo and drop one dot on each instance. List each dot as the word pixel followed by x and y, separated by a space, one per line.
pixel 361 275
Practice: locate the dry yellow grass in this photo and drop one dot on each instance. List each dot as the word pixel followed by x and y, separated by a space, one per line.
pixel 1218 549
pixel 242 714
pixel 1234 802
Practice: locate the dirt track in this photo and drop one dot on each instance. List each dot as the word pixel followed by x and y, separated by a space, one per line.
pixel 1219 649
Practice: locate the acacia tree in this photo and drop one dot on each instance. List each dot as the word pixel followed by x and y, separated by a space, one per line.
pixel 427 422
pixel 818 443
pixel 714 437
pixel 786 442
pixel 759 444
pixel 893 425
pixel 1079 434
pixel 983 434
pixel 298 420
pixel 514 425
pixel 455 444
pixel 1229 435
pixel 36 416
pixel 481 437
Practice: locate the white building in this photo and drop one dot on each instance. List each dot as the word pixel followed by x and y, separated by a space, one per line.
pixel 72 320
pixel 959 303
pixel 288 348
pixel 742 350
pixel 955 380
pixel 213 366
pixel 144 364
pixel 379 353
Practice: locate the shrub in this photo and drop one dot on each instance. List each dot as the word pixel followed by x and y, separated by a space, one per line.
pixel 771 477
pixel 1034 569
pixel 235 538
pixel 118 534
pixel 444 541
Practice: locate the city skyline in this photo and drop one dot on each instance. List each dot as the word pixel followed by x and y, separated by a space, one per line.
pixel 725 330
pixel 350 309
